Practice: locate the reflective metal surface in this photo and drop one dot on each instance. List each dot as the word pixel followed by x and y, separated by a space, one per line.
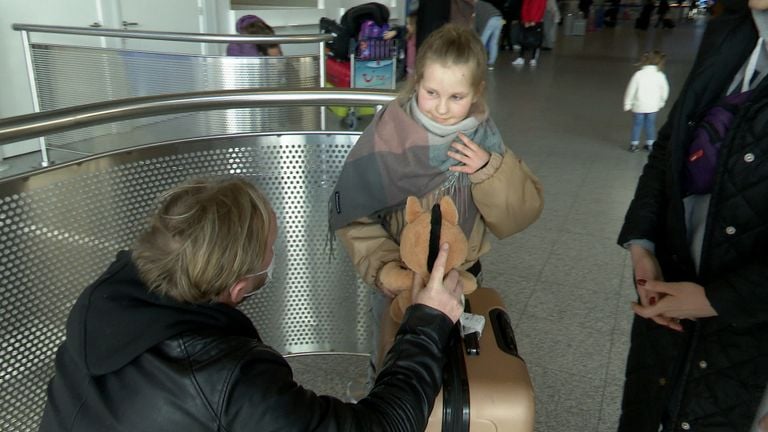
pixel 60 227
pixel 66 76
pixel 171 36
pixel 37 124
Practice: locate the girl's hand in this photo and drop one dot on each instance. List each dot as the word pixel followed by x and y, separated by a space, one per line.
pixel 472 156
pixel 678 300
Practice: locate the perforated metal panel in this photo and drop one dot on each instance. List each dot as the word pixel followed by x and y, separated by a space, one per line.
pixel 74 75
pixel 61 227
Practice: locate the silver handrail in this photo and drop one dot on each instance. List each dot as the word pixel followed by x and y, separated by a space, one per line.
pixel 26 29
pixel 36 125
pixel 173 36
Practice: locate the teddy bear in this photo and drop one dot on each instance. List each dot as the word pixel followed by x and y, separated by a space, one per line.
pixel 420 240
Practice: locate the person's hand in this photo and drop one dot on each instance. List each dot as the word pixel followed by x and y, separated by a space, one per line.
pixel 472 156
pixel 646 268
pixel 678 300
pixel 390 34
pixel 442 292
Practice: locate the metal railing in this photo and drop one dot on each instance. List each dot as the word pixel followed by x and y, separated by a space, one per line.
pixel 60 225
pixel 26 29
pixel 36 125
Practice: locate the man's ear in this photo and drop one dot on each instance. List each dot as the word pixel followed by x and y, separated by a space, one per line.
pixel 236 293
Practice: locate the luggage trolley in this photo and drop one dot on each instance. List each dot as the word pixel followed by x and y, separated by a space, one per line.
pixel 372 65
pixel 359 56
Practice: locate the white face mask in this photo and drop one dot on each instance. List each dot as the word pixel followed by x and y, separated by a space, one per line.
pixel 268 272
pixel 761 21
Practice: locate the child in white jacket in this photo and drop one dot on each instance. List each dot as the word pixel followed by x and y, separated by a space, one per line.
pixel 646 94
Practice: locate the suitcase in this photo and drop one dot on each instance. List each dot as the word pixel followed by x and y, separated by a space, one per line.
pixel 486 386
pixel 579 27
pixel 337 72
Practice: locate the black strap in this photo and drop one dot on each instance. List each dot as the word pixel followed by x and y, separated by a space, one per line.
pixel 455 386
pixel 434 236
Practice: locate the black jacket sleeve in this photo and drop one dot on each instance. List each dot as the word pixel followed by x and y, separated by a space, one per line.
pixel 648 206
pixel 263 395
pixel 740 296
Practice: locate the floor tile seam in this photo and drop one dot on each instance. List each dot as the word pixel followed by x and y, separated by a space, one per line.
pixel 610 352
pixel 612 238
pixel 538 279
pixel 567 372
pixel 589 327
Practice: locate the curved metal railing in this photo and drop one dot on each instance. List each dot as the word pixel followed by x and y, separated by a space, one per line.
pixel 38 90
pixel 60 226
pixel 39 124
pixel 174 36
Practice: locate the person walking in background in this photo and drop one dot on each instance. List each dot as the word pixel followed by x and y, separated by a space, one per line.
pixel 697 234
pixel 253 25
pixel 463 13
pixel 430 16
pixel 643 20
pixel 531 15
pixel 662 11
pixel 488 24
pixel 511 13
pixel 551 18
pixel 646 94
pixel 584 7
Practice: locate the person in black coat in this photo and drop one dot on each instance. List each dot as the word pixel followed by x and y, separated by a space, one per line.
pixel 157 342
pixel 698 358
pixel 510 34
pixel 430 16
pixel 643 20
pixel 662 10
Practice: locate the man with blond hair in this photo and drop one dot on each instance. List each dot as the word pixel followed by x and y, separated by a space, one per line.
pixel 157 343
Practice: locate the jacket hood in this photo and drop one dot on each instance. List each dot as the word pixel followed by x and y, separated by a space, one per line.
pixel 116 319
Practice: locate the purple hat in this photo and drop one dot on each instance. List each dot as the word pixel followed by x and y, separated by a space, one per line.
pixel 246 20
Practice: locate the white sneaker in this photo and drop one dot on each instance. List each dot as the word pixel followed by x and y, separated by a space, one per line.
pixel 519 62
pixel 532 63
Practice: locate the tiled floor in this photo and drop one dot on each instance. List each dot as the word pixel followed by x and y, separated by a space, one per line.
pixel 566 283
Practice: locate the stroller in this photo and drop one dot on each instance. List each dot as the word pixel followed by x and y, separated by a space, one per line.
pixel 359 56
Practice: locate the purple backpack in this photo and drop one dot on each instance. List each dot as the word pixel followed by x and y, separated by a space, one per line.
pixel 704 150
pixel 370 30
pixel 370 41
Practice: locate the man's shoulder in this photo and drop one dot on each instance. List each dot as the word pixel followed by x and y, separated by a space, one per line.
pixel 206 348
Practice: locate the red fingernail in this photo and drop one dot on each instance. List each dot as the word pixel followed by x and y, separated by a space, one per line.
pixel 652 301
pixel 641 282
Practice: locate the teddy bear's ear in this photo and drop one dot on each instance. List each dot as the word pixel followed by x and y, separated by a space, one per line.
pixel 412 209
pixel 448 209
